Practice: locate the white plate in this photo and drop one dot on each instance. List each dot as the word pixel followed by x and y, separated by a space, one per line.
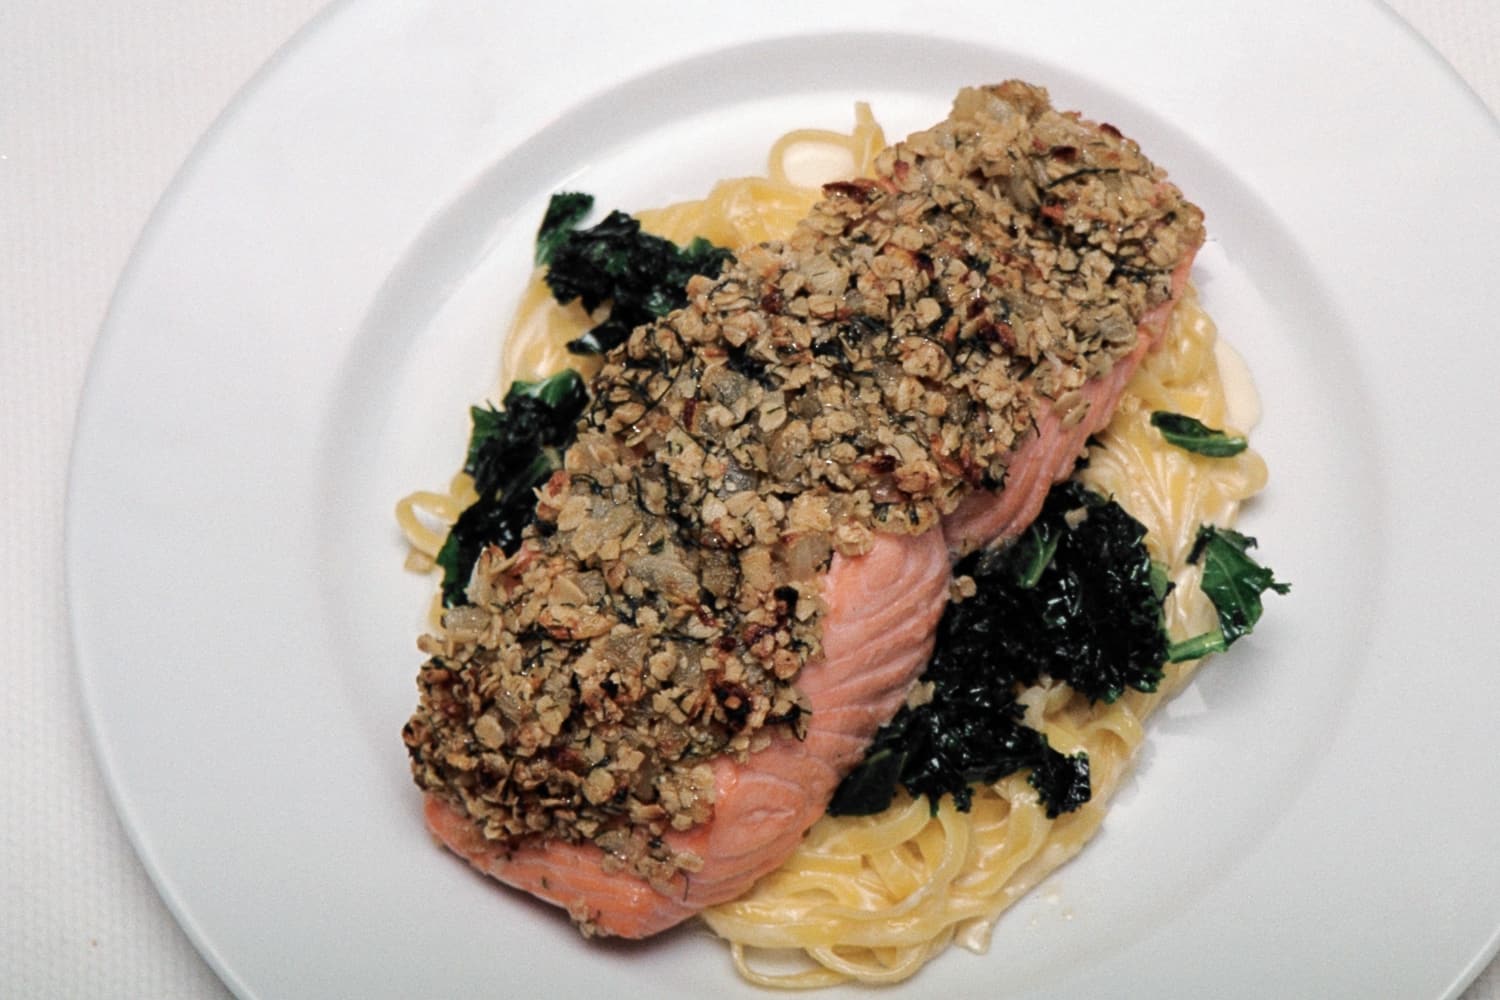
pixel 317 301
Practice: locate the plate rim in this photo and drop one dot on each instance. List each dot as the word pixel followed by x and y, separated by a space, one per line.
pixel 315 28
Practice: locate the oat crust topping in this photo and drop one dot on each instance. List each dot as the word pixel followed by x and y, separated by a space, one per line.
pixel 862 376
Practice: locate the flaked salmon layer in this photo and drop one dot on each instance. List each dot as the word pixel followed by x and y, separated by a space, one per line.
pixel 613 725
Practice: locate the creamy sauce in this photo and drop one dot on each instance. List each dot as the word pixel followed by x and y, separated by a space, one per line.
pixel 813 164
pixel 1239 388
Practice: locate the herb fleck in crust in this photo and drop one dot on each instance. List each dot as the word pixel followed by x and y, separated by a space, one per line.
pixel 864 375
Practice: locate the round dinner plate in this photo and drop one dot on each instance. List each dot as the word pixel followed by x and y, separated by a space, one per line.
pixel 320 297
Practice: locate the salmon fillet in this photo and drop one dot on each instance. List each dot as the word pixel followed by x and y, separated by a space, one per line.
pixel 879 630
pixel 883 609
pixel 775 477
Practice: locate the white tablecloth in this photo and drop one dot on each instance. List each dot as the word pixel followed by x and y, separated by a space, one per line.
pixel 99 105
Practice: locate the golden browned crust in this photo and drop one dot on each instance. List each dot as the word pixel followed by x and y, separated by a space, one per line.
pixel 862 376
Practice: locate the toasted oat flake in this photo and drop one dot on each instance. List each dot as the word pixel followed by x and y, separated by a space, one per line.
pixel 864 375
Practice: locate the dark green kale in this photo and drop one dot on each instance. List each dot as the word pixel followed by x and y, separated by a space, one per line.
pixel 1092 617
pixel 1077 599
pixel 512 451
pixel 1191 434
pixel 1234 582
pixel 564 212
pixel 640 275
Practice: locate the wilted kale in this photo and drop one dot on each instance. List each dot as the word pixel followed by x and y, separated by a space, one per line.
pixel 565 211
pixel 1092 617
pixel 1234 582
pixel 642 276
pixel 1191 434
pixel 1076 599
pixel 512 451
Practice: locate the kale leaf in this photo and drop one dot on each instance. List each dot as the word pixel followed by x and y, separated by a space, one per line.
pixel 1234 582
pixel 1076 598
pixel 512 451
pixel 565 211
pixel 1093 617
pixel 640 275
pixel 1191 434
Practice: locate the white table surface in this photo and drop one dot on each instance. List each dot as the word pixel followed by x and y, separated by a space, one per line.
pixel 100 104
